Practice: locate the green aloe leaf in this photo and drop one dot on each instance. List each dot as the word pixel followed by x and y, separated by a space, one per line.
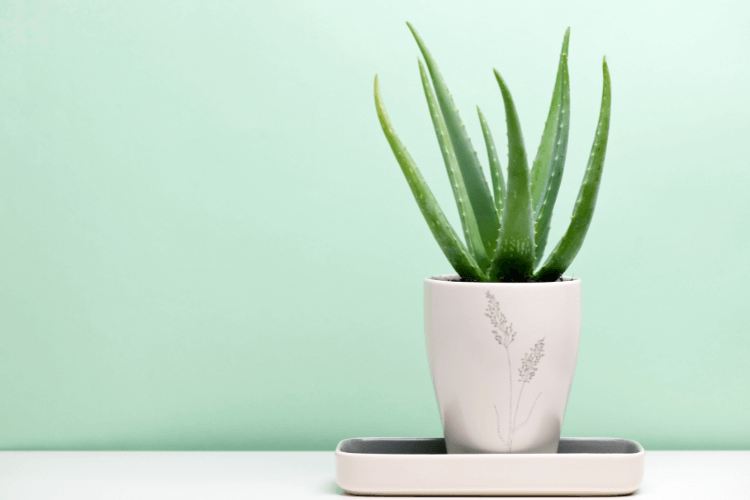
pixel 540 168
pixel 449 242
pixel 465 211
pixel 471 170
pixel 568 247
pixel 541 238
pixel 557 160
pixel 496 172
pixel 514 257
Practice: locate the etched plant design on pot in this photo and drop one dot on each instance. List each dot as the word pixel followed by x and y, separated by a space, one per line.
pixel 505 334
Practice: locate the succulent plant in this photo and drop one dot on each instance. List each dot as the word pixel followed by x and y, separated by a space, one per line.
pixel 505 228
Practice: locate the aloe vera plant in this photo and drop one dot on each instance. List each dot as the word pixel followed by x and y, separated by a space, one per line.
pixel 505 228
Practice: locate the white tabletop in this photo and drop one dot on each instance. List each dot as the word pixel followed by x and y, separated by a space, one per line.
pixel 295 475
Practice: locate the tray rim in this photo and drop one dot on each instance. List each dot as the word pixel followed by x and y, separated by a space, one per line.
pixel 502 456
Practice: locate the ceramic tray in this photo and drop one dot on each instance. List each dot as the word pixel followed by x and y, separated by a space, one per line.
pixel 420 466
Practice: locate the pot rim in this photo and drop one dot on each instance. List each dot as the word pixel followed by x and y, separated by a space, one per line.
pixel 435 280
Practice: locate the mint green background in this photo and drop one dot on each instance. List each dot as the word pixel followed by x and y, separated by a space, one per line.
pixel 207 244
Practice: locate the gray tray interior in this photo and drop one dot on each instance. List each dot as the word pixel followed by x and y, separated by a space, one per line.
pixel 436 446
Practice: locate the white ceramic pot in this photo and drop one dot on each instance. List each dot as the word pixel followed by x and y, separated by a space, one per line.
pixel 502 357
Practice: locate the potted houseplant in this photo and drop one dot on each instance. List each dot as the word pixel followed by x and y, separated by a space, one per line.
pixel 502 334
